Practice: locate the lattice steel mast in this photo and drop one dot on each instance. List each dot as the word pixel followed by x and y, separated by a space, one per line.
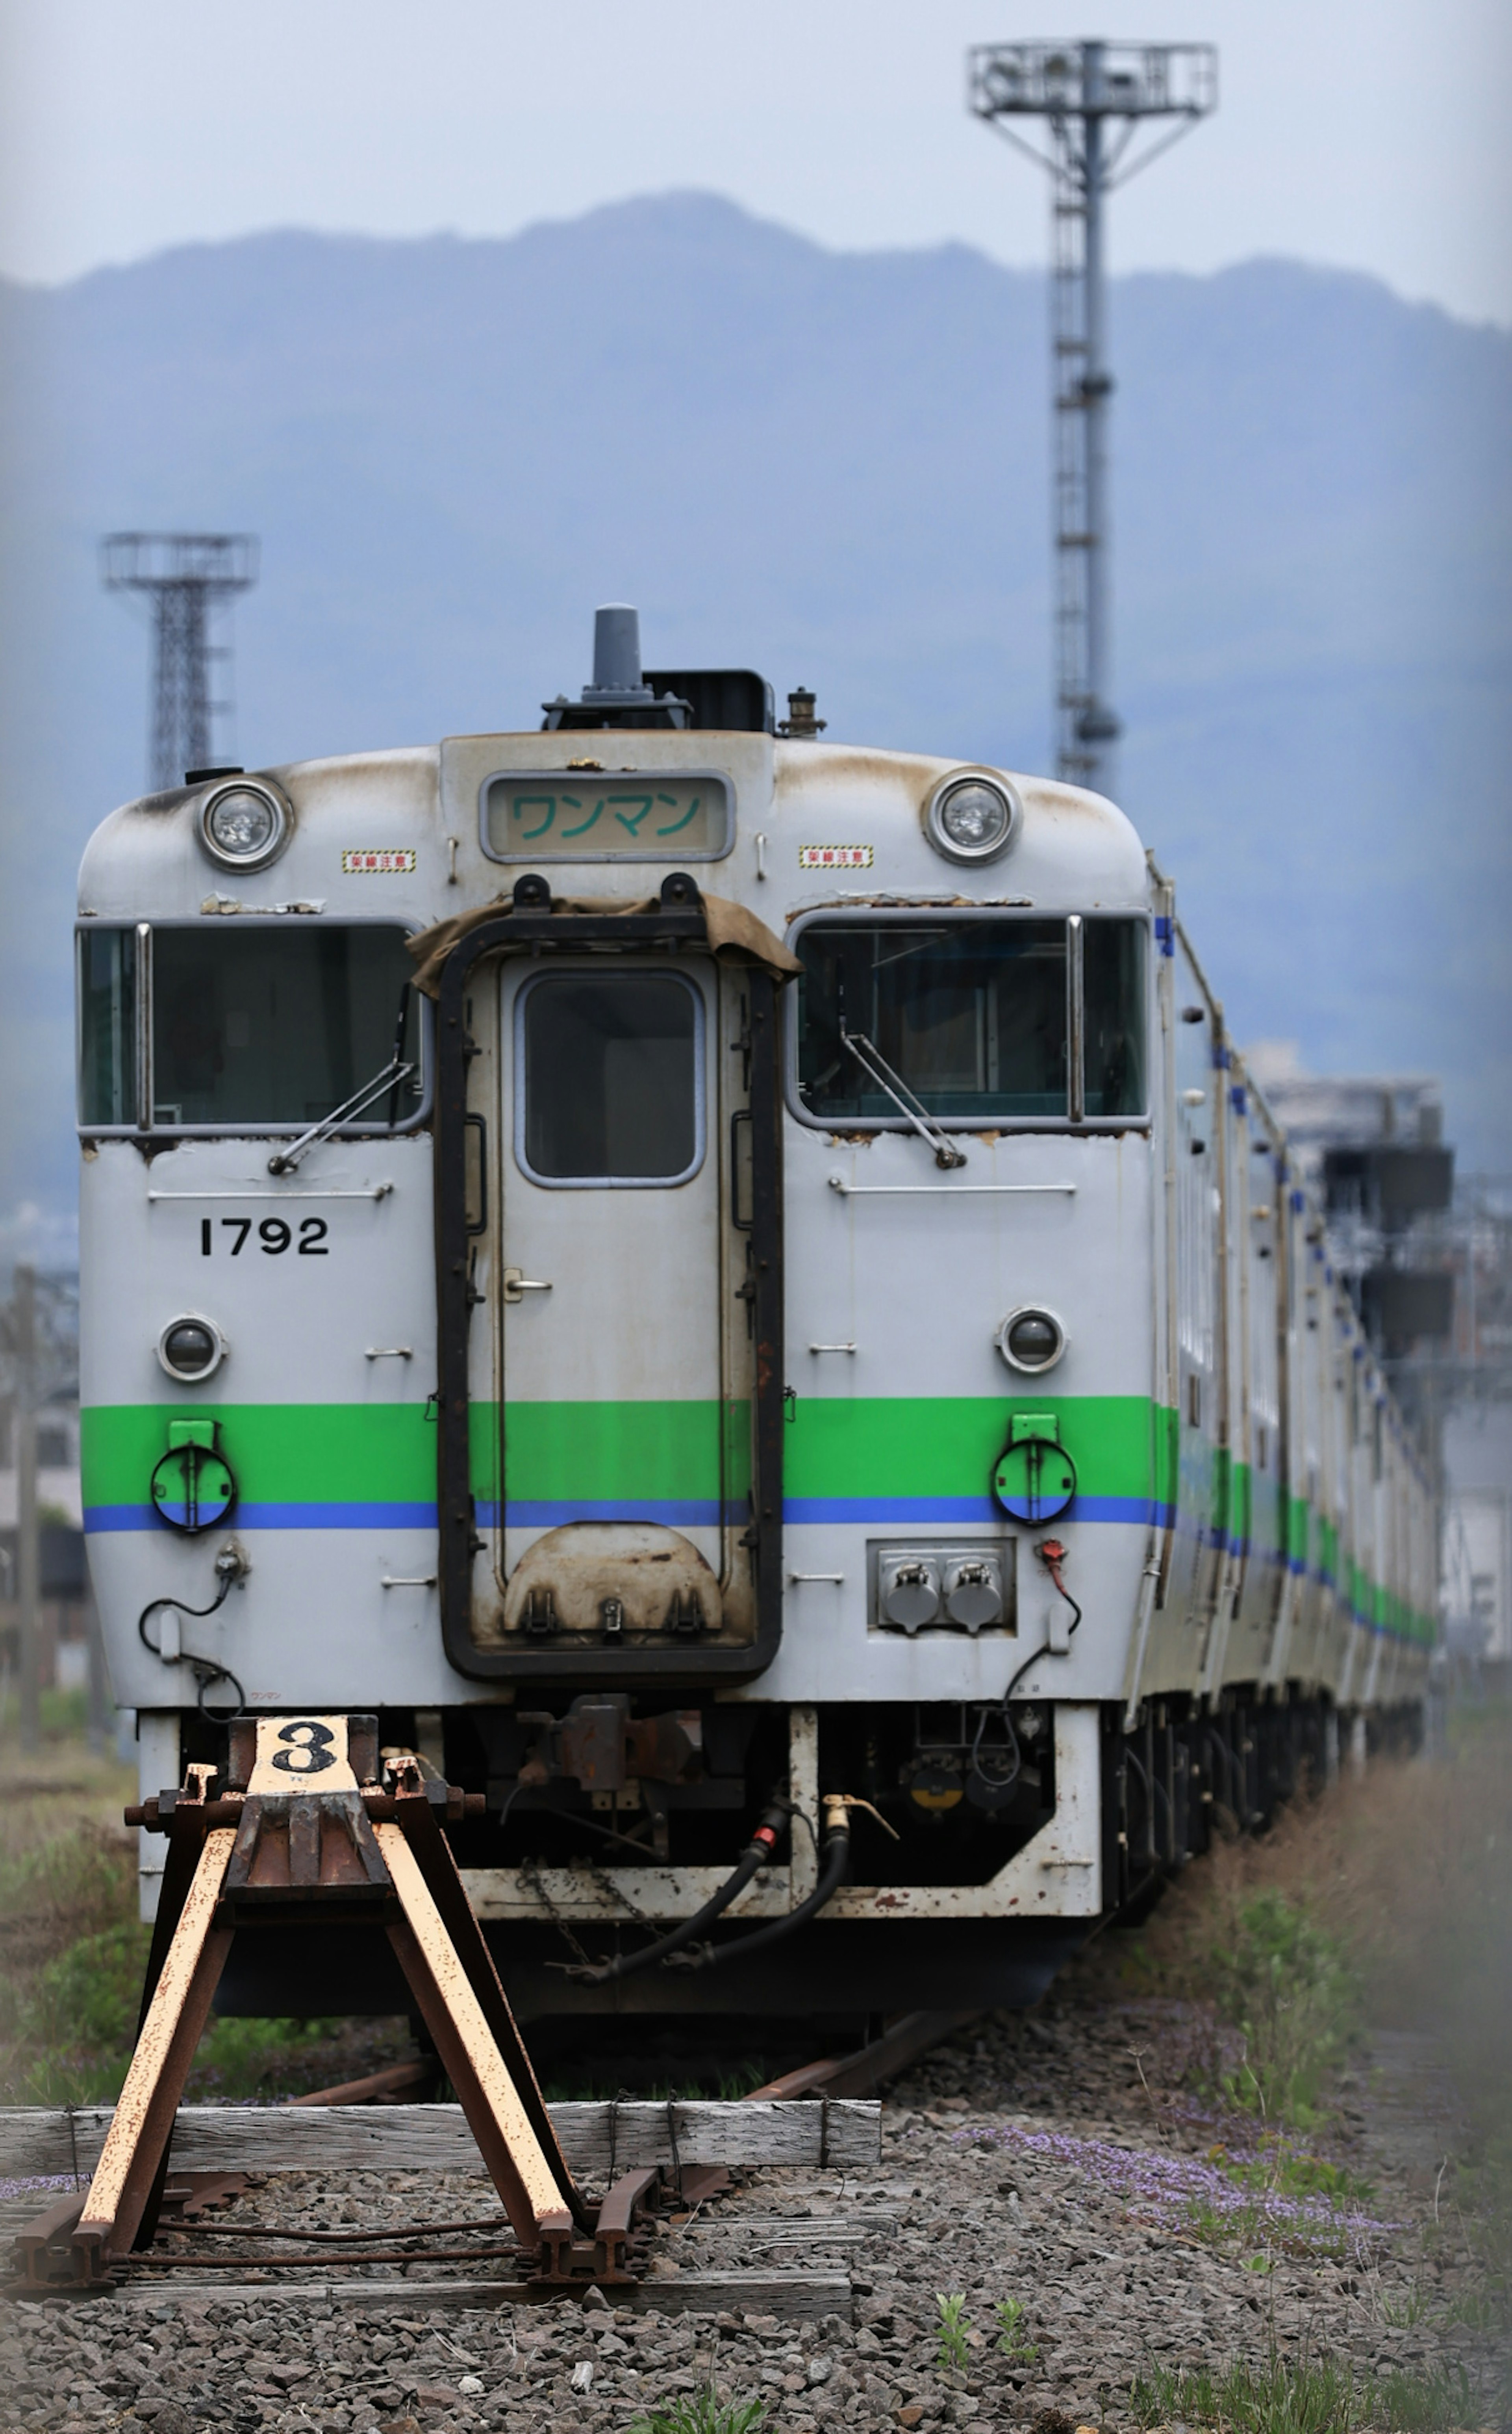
pixel 187 576
pixel 1093 97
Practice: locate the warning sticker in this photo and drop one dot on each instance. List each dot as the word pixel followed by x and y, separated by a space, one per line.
pixel 380 858
pixel 834 857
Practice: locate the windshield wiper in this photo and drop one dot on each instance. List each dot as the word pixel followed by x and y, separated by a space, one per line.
pixel 873 1063
pixel 393 1074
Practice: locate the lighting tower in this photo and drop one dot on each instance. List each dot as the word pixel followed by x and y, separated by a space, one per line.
pixel 1094 98
pixel 187 576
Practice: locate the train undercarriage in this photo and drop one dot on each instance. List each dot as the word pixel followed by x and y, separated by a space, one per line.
pixel 574 1864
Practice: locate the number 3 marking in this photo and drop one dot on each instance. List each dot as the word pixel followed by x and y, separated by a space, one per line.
pixel 310 1753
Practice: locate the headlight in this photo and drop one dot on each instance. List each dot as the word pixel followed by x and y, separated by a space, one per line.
pixel 1031 1340
pixel 191 1349
pixel 973 818
pixel 244 824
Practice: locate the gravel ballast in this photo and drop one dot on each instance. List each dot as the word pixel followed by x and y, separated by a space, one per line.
pixel 1052 2159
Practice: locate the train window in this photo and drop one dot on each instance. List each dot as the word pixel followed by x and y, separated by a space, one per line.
pixel 277 1027
pixel 970 1016
pixel 107 1027
pixel 609 1079
pixel 1114 1023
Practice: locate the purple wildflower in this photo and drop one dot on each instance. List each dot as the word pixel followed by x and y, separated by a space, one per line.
pixel 1168 2190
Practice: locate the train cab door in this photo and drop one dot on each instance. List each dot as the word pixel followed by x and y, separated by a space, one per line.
pixel 624 1342
pixel 612 1355
pixel 609 1278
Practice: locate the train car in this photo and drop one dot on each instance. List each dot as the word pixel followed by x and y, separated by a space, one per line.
pixel 735 1292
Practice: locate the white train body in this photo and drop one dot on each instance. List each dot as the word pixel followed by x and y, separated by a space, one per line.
pixel 637 1361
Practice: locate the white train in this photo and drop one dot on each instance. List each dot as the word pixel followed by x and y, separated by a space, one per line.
pixel 802 1300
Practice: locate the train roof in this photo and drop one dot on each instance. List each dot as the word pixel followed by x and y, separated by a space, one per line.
pixel 400 832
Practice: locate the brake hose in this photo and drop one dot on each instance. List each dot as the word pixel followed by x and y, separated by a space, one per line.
pixel 833 1866
pixel 756 1854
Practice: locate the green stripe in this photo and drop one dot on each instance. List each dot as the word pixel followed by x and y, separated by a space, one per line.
pixel 599 1452
pixel 283 1453
pixel 937 1445
pixel 879 1447
pixel 383 1452
pixel 1167 1453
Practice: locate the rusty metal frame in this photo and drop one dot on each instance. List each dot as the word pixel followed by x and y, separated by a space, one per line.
pixel 531 926
pixel 356 1852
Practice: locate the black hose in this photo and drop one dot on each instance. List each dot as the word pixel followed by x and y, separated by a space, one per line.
pixel 756 1854
pixel 834 1865
pixel 204 1668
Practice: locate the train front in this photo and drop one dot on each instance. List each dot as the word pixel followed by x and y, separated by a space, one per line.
pixel 625 1249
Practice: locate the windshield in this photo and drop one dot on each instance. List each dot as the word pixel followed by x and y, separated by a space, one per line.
pixel 249 1026
pixel 972 1015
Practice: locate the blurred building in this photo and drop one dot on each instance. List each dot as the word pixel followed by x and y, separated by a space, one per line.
pixel 65 1636
pixel 1426 1256
pixel 1372 1148
pixel 59 1648
pixel 1477 1436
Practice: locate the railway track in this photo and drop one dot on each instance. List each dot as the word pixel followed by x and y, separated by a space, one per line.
pixel 45 2259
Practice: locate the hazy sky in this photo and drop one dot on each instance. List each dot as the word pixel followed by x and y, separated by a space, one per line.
pixel 1372 133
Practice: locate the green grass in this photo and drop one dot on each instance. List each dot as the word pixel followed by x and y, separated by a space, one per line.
pixel 76 2027
pixel 1426 2404
pixel 703 2412
pixel 1286 1983
pixel 1311 2396
pixel 78 1878
pixel 73 1952
pixel 1284 2169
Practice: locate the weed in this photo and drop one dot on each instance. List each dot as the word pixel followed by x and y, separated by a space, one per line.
pixel 953 2325
pixel 1289 2171
pixel 1285 1982
pixel 1308 2201
pixel 1435 2403
pixel 1414 2309
pixel 1008 2317
pixel 703 2413
pixel 740 2079
pixel 1483 2309
pixel 1311 2396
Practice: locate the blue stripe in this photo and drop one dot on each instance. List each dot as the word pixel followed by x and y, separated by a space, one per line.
pixel 978 1509
pixel 99 1518
pixel 550 1513
pixel 692 1513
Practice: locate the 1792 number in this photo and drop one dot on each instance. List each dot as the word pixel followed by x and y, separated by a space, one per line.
pixel 274 1235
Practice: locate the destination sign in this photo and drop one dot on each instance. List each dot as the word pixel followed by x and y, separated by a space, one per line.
pixel 573 815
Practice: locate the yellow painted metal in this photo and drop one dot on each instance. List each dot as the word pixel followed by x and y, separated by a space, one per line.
pixel 498 2089
pixel 172 2024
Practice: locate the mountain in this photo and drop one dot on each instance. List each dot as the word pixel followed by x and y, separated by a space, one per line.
pixel 834 467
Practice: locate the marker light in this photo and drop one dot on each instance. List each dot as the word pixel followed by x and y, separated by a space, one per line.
pixel 1031 1340
pixel 191 1349
pixel 244 826
pixel 973 818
